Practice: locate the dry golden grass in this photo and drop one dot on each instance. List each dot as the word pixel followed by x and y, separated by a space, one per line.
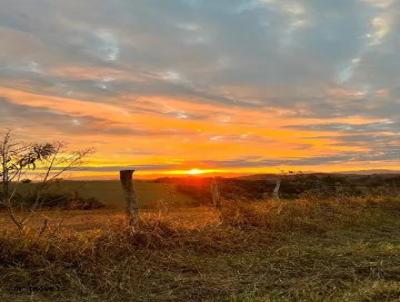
pixel 94 220
pixel 334 250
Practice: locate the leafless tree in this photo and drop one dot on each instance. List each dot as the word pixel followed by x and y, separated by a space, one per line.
pixel 46 161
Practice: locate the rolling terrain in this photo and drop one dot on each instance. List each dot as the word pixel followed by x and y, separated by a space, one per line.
pixel 108 192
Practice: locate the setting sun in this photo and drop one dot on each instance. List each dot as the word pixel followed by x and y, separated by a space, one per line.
pixel 195 172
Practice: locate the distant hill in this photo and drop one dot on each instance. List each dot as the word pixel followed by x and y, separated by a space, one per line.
pixel 270 176
pixel 371 172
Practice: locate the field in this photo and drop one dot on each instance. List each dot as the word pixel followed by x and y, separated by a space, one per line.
pixel 150 194
pixel 299 250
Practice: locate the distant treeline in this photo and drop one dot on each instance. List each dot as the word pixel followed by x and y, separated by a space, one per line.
pixel 292 186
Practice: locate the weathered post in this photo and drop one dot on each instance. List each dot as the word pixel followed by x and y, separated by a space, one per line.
pixel 132 208
pixel 215 194
pixel 275 193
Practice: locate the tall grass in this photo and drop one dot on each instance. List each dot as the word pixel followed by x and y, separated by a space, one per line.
pixel 310 250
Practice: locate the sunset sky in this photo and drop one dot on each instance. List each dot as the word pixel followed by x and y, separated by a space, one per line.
pixel 223 86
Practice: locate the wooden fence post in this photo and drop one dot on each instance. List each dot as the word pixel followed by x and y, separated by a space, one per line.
pixel 275 193
pixel 132 208
pixel 215 194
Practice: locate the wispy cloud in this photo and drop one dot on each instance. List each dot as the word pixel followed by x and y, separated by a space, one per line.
pixel 296 83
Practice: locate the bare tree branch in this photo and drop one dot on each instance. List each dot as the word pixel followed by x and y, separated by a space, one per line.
pixel 17 158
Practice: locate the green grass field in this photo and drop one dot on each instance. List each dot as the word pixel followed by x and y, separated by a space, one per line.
pixel 150 194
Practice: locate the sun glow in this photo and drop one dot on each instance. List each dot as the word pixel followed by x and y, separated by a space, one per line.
pixel 196 171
